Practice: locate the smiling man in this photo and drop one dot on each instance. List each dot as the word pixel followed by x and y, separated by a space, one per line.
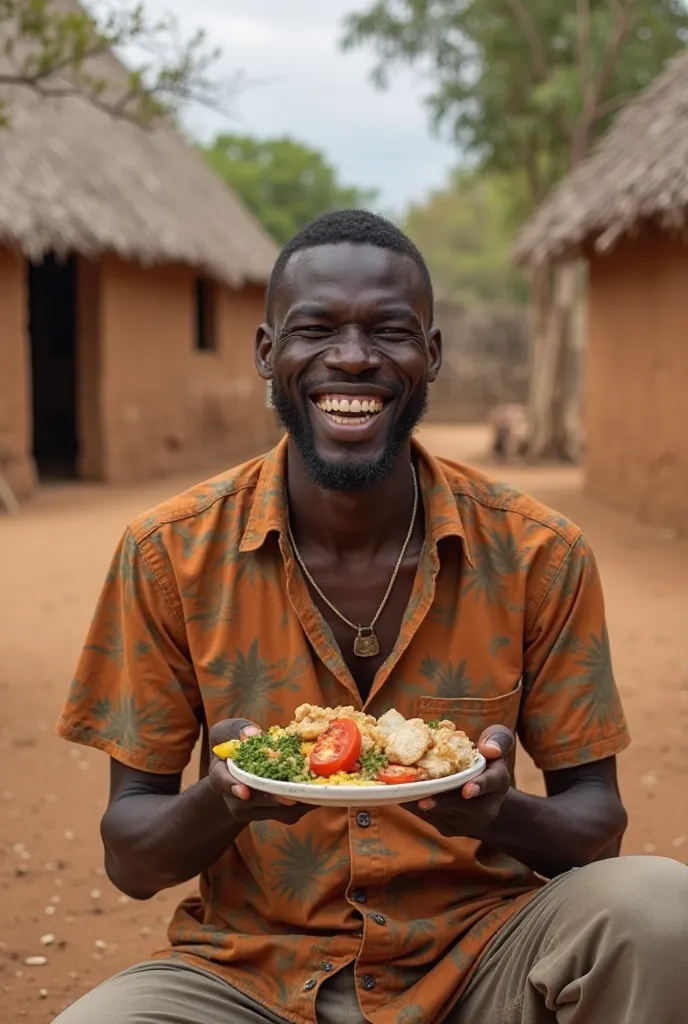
pixel 349 566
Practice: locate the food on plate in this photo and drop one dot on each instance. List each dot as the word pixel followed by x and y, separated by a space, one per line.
pixel 342 746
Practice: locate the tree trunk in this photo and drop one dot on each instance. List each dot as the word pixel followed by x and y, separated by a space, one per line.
pixel 553 424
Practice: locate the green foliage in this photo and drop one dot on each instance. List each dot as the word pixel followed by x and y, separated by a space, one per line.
pixel 284 183
pixel 525 85
pixel 464 231
pixel 50 50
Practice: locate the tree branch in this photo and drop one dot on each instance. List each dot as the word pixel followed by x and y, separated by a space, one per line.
pixel 527 26
pixel 615 103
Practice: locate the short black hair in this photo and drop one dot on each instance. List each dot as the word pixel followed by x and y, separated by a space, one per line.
pixel 358 227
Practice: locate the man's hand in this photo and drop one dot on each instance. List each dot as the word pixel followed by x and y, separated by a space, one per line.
pixel 467 811
pixel 246 805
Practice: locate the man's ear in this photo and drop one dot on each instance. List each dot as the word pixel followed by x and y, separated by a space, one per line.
pixel 263 353
pixel 434 353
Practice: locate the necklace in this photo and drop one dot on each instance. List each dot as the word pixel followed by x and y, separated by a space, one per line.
pixel 366 644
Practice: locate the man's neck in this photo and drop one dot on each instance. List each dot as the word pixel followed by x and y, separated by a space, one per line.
pixel 340 522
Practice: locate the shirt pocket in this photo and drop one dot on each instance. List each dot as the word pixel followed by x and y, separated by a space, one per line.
pixel 473 714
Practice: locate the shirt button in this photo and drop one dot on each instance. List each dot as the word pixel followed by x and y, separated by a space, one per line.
pixel 379 919
pixel 358 896
pixel 363 819
pixel 368 982
pixel 309 985
pixel 326 966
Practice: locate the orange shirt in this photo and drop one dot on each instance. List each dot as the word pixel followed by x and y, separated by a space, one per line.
pixel 206 616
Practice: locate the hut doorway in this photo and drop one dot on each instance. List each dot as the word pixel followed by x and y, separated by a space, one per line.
pixel 52 332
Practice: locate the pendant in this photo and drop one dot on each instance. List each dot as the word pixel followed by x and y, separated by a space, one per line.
pixel 366 644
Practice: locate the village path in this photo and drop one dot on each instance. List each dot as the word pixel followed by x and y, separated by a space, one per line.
pixel 52 562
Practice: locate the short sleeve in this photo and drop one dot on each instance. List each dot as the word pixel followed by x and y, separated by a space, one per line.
pixel 571 711
pixel 135 694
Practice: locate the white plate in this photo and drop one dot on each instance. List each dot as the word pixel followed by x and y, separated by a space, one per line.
pixel 357 796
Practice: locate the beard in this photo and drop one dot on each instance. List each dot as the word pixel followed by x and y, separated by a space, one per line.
pixel 348 473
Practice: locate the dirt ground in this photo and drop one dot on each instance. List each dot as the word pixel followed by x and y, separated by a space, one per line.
pixel 55 902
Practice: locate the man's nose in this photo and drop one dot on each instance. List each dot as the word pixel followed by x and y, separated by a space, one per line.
pixel 352 351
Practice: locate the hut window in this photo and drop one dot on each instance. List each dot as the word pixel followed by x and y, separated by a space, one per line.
pixel 205 338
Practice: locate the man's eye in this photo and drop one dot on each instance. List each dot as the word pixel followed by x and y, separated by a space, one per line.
pixel 392 333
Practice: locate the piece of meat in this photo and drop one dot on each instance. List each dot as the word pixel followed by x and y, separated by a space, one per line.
pixel 409 743
pixel 388 723
pixel 310 722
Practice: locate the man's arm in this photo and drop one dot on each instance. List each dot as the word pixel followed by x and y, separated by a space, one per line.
pixel 156 837
pixel 581 820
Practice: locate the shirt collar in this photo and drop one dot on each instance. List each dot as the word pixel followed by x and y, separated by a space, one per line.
pixel 268 511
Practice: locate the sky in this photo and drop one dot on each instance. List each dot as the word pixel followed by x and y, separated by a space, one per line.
pixel 301 84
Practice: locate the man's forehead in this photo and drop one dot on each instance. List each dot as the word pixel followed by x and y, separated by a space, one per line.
pixel 350 271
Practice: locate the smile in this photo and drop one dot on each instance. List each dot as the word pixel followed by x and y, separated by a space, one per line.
pixel 350 411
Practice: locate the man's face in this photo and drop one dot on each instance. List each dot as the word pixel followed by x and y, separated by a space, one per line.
pixel 351 351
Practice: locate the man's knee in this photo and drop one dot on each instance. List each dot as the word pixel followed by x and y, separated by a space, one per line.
pixel 643 898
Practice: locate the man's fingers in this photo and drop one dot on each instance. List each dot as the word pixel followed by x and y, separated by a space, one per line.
pixel 496 741
pixel 495 779
pixel 232 729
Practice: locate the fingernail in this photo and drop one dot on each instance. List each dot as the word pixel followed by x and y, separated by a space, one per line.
pixel 250 730
pixel 238 792
pixel 287 803
pixel 470 791
pixel 427 805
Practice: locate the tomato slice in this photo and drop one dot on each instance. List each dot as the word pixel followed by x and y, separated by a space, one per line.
pixel 338 748
pixel 398 774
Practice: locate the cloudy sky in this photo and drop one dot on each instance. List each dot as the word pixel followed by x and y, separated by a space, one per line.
pixel 304 86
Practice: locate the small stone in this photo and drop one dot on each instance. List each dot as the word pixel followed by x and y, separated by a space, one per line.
pixel 19 974
pixel 56 899
pixel 18 848
pixel 21 869
pixel 74 975
pixel 42 993
pixel 679 841
pixel 145 932
pixel 75 754
pixel 70 919
pixel 50 866
pixel 25 855
pixel 649 848
pixel 96 894
pixel 35 961
pixel 50 910
pixel 99 944
pixel 47 940
pixel 69 835
pixel 123 900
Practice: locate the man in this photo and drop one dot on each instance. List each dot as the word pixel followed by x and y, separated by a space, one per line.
pixel 266 588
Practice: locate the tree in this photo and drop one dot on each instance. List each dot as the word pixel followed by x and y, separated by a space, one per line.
pixel 464 231
pixel 526 86
pixel 285 183
pixel 49 47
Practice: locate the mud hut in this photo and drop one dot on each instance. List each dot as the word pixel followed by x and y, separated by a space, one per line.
pixel 131 283
pixel 625 209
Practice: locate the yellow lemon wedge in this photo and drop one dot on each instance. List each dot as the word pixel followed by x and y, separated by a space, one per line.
pixel 227 750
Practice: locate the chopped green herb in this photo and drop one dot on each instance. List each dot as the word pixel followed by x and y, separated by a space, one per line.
pixel 272 757
pixel 371 763
pixel 434 725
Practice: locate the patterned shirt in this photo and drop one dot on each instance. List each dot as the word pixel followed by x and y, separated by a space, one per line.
pixel 205 616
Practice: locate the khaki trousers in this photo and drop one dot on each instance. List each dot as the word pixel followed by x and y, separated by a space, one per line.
pixel 605 944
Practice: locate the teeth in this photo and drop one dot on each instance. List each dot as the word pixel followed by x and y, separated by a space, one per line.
pixel 369 407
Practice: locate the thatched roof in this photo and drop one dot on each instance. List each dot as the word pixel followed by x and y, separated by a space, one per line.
pixel 638 173
pixel 75 179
